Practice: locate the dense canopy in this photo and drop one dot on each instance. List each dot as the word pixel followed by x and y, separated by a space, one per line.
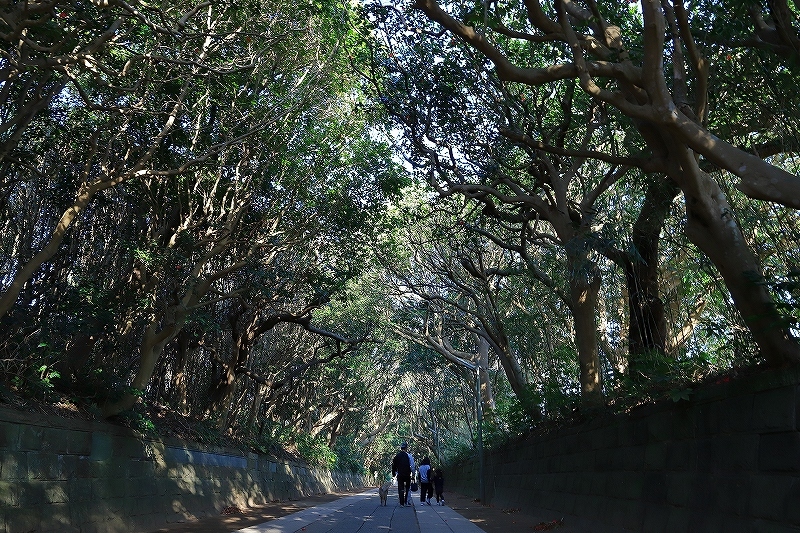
pixel 330 226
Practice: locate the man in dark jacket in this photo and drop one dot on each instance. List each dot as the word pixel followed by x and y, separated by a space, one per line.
pixel 402 466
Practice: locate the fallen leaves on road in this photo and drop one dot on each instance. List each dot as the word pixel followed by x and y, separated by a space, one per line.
pixel 231 509
pixel 546 526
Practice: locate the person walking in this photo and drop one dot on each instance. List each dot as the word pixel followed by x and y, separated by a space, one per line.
pixel 425 474
pixel 438 485
pixel 402 467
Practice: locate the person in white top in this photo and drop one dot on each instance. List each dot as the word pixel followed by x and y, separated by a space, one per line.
pixel 425 475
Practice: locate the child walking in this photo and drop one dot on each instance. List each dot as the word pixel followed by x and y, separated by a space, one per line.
pixel 425 481
pixel 438 486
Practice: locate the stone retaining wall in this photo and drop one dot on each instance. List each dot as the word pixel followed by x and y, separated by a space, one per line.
pixel 727 460
pixel 61 475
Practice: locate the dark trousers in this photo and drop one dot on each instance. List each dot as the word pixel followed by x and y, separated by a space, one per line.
pixel 425 491
pixel 403 484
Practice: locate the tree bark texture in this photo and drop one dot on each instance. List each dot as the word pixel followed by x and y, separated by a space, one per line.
pixel 642 93
pixel 647 331
pixel 584 288
pixel 712 227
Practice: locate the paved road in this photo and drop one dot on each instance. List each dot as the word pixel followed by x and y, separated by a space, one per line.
pixel 363 513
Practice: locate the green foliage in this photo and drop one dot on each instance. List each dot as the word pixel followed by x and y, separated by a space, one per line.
pixel 47 375
pixel 96 385
pixel 38 384
pixel 290 183
pixel 512 413
pixel 460 451
pixel 380 453
pixel 653 366
pixel 349 455
pixel 679 394
pixel 206 431
pixel 138 421
pixel 787 289
pixel 657 376
pixel 315 450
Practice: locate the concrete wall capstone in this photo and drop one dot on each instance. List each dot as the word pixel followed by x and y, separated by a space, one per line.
pixel 71 476
pixel 727 460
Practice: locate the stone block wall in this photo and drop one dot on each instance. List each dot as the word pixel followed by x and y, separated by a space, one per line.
pixel 727 460
pixel 70 476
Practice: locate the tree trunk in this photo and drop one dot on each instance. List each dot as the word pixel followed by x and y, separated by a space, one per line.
pixel 235 406
pixel 27 270
pixel 78 352
pixel 179 388
pixel 647 331
pixel 584 287
pixel 711 226
pixel 686 329
pixel 222 390
pixel 150 349
pixel 487 396
pixel 240 349
pixel 513 371
pixel 258 398
pixel 335 430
